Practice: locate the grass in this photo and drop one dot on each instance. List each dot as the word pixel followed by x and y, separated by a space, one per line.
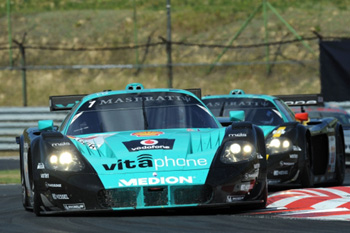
pixel 110 23
pixel 10 177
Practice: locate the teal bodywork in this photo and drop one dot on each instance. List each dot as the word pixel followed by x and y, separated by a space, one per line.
pixel 186 164
pixel 141 149
pixel 237 93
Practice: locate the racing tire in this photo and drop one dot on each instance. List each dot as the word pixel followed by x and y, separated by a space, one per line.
pixel 340 162
pixel 36 201
pixel 264 194
pixel 307 175
pixel 25 200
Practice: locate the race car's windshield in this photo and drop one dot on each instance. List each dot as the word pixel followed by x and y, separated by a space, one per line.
pixel 257 111
pixel 140 111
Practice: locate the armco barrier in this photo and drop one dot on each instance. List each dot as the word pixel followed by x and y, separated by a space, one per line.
pixel 13 120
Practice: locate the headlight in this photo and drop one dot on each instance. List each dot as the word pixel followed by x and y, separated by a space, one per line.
pixel 236 151
pixel 278 145
pixel 64 161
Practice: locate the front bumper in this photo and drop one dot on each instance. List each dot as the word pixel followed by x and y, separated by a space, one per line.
pixel 85 192
pixel 284 168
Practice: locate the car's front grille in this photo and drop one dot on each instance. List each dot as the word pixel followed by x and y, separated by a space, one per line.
pixel 165 196
pixel 125 197
pixel 192 194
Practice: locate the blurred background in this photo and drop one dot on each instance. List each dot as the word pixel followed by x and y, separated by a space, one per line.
pixel 58 47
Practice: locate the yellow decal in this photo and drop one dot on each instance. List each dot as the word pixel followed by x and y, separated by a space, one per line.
pixel 147 133
pixel 277 133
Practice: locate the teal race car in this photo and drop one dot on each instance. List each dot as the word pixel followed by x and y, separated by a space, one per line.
pixel 299 151
pixel 140 149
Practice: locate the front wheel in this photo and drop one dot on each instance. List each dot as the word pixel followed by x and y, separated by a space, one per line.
pixel 25 200
pixel 340 162
pixel 36 201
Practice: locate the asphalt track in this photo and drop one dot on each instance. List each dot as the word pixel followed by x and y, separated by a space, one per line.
pixel 292 210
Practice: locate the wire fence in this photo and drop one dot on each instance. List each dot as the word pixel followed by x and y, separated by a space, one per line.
pixel 77 52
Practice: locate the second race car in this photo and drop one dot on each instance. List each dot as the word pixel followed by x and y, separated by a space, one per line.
pixel 299 151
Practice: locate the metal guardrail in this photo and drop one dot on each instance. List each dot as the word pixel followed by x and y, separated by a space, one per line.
pixel 14 120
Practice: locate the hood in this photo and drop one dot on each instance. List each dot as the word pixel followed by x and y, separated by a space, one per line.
pixel 144 151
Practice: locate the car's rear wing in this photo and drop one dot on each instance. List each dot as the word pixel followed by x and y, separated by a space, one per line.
pixel 64 102
pixel 196 91
pixel 302 100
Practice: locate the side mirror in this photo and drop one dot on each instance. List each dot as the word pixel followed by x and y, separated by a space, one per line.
pixel 45 125
pixel 237 115
pixel 302 116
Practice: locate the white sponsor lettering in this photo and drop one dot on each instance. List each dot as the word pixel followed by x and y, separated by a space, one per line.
pixel 45 176
pixel 60 196
pixel 179 162
pixel 237 135
pixel 53 185
pixel 40 166
pixel 151 147
pixel 231 198
pixel 77 206
pixel 60 144
pixel 155 181
pixel 280 173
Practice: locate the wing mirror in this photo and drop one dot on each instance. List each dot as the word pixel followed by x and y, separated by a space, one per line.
pixel 45 125
pixel 237 115
pixel 302 116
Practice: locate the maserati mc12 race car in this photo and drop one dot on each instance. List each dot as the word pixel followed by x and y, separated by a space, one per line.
pixel 140 149
pixel 299 151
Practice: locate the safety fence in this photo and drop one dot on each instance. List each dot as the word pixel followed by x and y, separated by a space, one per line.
pixel 13 121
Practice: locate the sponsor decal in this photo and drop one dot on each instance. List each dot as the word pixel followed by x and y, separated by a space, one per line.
pixel 48 185
pixel 40 166
pixel 149 144
pixel 60 144
pixel 60 196
pixel 146 161
pixel 280 173
pixel 278 132
pixel 75 206
pixel 93 142
pixel 238 135
pixel 231 198
pixel 286 163
pixel 245 187
pixel 44 175
pixel 83 142
pixel 147 133
pixel 253 175
pixel 273 181
pixel 155 181
pixel 240 103
pixel 131 99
